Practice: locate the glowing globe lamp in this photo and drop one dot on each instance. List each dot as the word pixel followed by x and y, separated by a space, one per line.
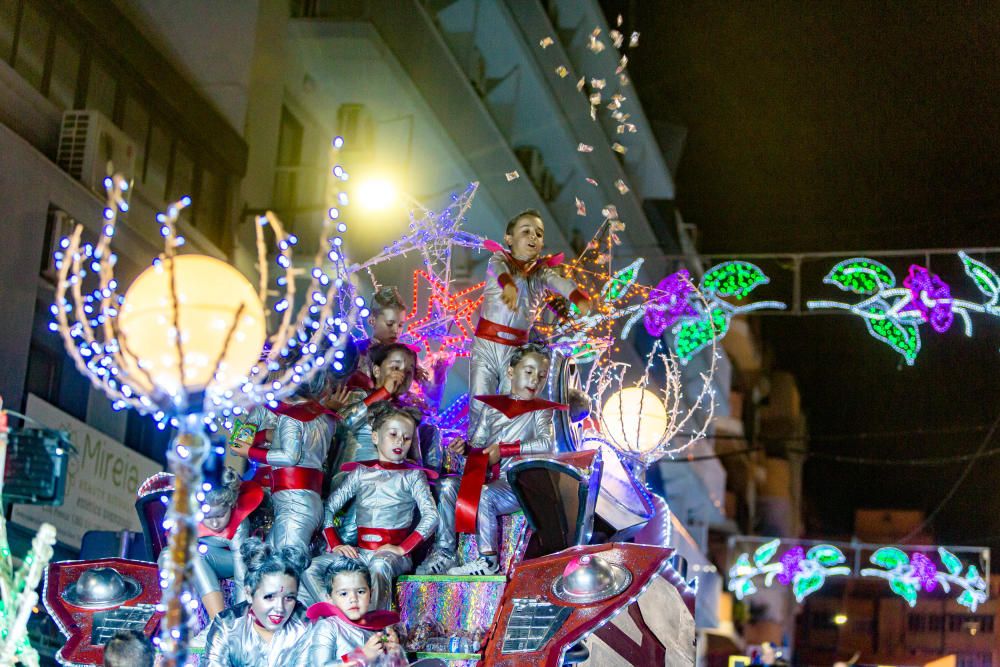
pixel 219 321
pixel 635 419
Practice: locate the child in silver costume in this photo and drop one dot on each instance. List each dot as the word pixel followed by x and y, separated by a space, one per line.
pixel 264 630
pixel 386 492
pixel 516 281
pixel 515 424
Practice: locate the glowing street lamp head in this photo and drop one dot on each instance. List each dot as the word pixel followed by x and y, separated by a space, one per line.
pixel 635 419
pixel 376 194
pixel 219 319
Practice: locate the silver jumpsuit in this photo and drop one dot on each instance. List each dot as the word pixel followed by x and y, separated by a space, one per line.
pixel 489 358
pixel 233 642
pixel 221 561
pixel 534 433
pixel 333 640
pixel 385 499
pixel 298 451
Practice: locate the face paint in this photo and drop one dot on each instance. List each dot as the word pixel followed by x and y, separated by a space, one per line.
pixel 350 593
pixel 528 378
pixel 393 438
pixel 274 600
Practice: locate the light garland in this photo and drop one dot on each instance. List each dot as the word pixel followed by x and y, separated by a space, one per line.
pixel 314 336
pixel 807 572
pixel 894 314
pixel 446 319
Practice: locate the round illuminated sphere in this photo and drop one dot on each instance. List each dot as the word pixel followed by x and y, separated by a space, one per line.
pixel 212 337
pixel 635 419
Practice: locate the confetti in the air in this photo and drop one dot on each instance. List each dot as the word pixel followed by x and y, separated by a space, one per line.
pixel 610 212
pixel 597 84
pixel 546 42
pixel 622 188
pixel 512 176
pixel 595 99
pixel 618 148
pixel 621 65
pixel 617 225
pixel 595 44
pixel 579 84
pixel 585 148
pixel 623 79
pixel 634 40
pixel 592 182
pixel 581 208
pixel 562 71
pixel 616 38
pixel 593 113
pixel 618 21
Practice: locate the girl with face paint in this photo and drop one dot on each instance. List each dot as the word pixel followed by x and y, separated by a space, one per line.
pixel 386 491
pixel 344 631
pixel 264 630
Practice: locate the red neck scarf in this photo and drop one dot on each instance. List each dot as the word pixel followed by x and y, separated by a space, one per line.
pixel 250 497
pixel 512 407
pixel 373 621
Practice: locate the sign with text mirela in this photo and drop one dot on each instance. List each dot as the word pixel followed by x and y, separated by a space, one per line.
pixel 101 481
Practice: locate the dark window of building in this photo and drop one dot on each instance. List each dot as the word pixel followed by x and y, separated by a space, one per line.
pixel 955 622
pixel 822 620
pixel 289 159
pixel 142 435
pixel 42 378
pixel 8 28
pixel 135 123
pixel 935 623
pixel 916 623
pixel 181 178
pixel 32 44
pixel 157 163
pixel 65 72
pixel 210 205
pixel 102 88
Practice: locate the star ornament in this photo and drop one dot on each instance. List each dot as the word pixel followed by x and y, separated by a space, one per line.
pixel 447 318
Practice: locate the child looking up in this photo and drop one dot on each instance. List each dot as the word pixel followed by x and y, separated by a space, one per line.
pixel 513 424
pixel 516 281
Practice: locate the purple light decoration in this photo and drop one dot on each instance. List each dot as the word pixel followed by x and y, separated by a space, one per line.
pixel 791 561
pixel 931 297
pixel 670 303
pixel 924 570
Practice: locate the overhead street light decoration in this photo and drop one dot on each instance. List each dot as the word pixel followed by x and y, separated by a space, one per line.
pixel 184 344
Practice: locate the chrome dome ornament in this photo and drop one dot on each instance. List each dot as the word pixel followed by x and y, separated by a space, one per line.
pixel 589 579
pixel 101 588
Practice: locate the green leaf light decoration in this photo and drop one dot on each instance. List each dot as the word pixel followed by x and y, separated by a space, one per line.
pixel 619 284
pixel 894 315
pixel 692 336
pixel 735 278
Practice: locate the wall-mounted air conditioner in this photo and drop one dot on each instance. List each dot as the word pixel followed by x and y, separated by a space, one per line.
pixel 88 142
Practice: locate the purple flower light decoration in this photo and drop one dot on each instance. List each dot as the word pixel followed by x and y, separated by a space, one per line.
pixel 670 303
pixel 924 570
pixel 931 297
pixel 791 561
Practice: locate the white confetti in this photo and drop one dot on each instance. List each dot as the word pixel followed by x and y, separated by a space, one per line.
pixel 562 72
pixel 591 181
pixel 621 65
pixel 546 42
pixel 618 148
pixel 595 99
pixel 597 84
pixel 584 148
pixel 622 188
pixel 623 79
pixel 593 113
pixel 581 208
pixel 610 211
pixel 512 176
pixel 579 84
pixel 634 40
pixel 618 21
pixel 616 38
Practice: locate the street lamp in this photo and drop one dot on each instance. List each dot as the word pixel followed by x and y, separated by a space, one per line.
pixel 184 343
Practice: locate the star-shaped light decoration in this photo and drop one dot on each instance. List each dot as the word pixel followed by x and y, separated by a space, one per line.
pixel 445 328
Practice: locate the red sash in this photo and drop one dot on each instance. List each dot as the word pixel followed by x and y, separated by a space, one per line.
pixel 373 621
pixel 514 407
pixel 294 478
pixel 492 331
pixel 477 464
pixel 387 465
pixel 373 538
pixel 303 412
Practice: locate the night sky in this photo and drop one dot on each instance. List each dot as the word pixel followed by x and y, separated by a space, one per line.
pixel 846 126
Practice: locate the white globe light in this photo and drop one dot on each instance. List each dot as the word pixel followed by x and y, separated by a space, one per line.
pixel 209 294
pixel 635 419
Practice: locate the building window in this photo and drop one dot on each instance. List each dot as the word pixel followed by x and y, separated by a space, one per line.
pixel 102 89
pixel 65 72
pixel 32 44
pixel 935 623
pixel 157 163
pixel 8 28
pixel 210 205
pixel 181 178
pixel 289 159
pixel 135 123
pixel 916 623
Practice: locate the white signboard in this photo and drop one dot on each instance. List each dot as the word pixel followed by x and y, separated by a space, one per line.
pixel 102 478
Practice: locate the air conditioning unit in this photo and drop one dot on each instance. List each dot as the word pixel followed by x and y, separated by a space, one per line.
pixel 88 142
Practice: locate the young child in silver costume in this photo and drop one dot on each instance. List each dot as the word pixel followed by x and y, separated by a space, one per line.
pixel 264 630
pixel 386 492
pixel 516 281
pixel 514 424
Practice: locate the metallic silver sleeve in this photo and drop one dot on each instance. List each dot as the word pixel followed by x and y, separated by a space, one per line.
pixel 330 639
pixel 286 443
pixel 543 440
pixel 232 641
pixel 421 491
